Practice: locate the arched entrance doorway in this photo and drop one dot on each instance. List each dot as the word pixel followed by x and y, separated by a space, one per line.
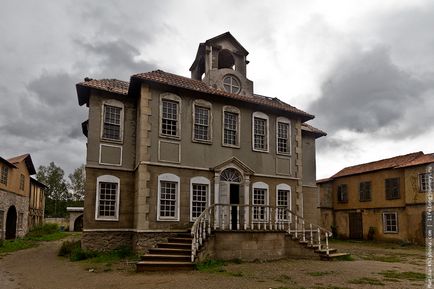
pixel 230 180
pixel 11 223
pixel 78 223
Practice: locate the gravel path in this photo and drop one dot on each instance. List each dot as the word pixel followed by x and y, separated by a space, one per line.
pixel 40 268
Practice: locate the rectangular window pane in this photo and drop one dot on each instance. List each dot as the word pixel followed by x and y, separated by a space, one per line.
pixel 230 128
pixel 282 137
pixel 169 120
pixel 342 193
pixel 112 122
pixel 390 222
pixel 392 188
pixel 168 199
pixel 424 182
pixel 259 196
pixel 199 199
pixel 201 123
pixel 260 133
pixel 107 199
pixel 282 204
pixel 4 175
pixel 365 191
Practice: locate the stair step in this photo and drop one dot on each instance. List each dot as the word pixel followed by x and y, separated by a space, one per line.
pixel 312 246
pixel 303 242
pixel 174 245
pixel 165 257
pixel 324 251
pixel 162 266
pixel 333 256
pixel 170 251
pixel 180 240
pixel 184 235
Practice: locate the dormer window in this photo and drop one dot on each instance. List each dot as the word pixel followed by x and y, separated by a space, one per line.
pixel 231 84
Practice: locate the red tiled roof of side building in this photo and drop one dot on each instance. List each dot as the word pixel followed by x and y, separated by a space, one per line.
pixel 110 85
pixel 422 160
pixel 161 77
pixel 378 165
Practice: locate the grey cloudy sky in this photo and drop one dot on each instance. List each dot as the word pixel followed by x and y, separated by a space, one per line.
pixel 365 69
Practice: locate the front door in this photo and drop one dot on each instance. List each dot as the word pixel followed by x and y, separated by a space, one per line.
pixel 11 223
pixel 234 199
pixel 356 225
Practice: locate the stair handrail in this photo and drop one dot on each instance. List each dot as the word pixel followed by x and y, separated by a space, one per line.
pixel 200 230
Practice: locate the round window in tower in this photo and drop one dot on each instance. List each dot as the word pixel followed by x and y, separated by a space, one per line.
pixel 231 84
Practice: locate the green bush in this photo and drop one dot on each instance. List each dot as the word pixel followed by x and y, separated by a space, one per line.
pixel 73 250
pixel 67 248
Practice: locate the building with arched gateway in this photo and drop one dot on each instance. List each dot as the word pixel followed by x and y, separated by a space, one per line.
pixel 21 197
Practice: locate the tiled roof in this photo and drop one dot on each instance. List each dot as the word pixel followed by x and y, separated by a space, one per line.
pixel 28 161
pixel 161 77
pixel 314 130
pixel 7 162
pixel 422 160
pixel 111 85
pixel 390 163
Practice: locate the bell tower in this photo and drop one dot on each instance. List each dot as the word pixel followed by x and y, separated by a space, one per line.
pixel 221 63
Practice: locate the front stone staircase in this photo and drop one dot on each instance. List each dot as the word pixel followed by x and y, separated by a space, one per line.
pixel 175 254
pixel 180 252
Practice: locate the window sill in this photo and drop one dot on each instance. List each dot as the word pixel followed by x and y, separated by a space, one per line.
pixel 364 201
pixel 207 142
pixel 168 220
pixel 390 232
pixel 109 220
pixel 260 151
pixel 109 140
pixel 395 198
pixel 284 154
pixel 231 146
pixel 172 137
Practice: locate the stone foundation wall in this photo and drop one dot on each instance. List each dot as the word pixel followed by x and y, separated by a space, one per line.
pixel 105 241
pixel 250 246
pixel 142 242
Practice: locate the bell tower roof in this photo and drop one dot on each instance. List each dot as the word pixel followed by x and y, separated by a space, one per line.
pixel 221 62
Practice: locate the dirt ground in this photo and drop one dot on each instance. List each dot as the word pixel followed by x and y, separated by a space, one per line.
pixel 40 268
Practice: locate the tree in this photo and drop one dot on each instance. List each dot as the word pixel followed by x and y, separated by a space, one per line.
pixel 57 190
pixel 77 182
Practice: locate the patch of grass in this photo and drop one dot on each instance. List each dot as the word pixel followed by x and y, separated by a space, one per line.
pixel 411 276
pixel 46 232
pixel 383 258
pixel 9 246
pixel 319 273
pixel 211 266
pixel 367 280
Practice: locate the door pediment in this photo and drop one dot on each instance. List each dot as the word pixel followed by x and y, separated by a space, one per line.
pixel 234 162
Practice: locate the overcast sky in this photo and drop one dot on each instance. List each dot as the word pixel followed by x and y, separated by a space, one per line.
pixel 364 68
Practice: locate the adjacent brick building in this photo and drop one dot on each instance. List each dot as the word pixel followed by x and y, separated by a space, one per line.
pixel 21 197
pixel 386 197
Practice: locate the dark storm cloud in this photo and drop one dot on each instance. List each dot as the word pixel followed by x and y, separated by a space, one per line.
pixel 115 59
pixel 366 93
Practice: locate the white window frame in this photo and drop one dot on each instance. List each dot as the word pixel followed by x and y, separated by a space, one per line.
pixel 199 181
pixel 233 83
pixel 231 109
pixel 118 104
pixel 170 97
pixel 284 187
pixel 284 120
pixel 261 115
pixel 385 223
pixel 424 182
pixel 261 185
pixel 107 179
pixel 204 104
pixel 167 177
